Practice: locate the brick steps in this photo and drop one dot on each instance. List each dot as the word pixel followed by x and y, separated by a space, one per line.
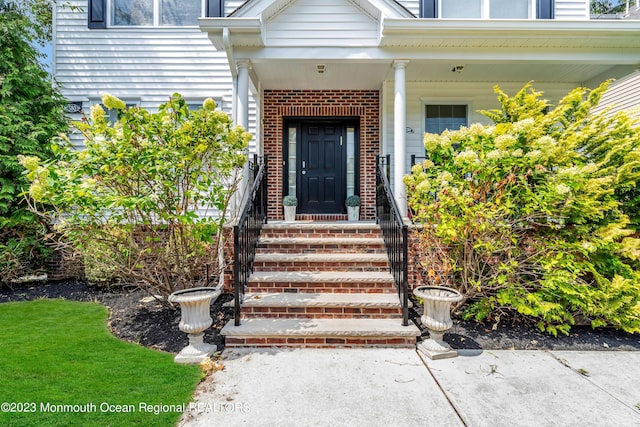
pixel 321 262
pixel 321 305
pixel 322 281
pixel 301 229
pixel 320 333
pixel 321 245
pixel 321 285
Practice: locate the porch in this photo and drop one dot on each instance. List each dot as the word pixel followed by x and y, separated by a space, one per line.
pixel 336 86
pixel 319 284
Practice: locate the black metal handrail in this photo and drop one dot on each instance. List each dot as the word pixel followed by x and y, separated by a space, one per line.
pixel 246 232
pixel 394 233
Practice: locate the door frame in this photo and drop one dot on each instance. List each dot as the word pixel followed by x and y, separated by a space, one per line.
pixel 343 122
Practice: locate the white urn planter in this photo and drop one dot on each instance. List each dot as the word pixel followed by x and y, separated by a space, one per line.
pixel 437 319
pixel 353 213
pixel 289 213
pixel 195 318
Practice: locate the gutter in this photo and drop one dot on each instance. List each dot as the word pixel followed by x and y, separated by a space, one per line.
pixel 396 26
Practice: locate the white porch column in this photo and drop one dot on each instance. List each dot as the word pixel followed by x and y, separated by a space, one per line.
pixel 243 94
pixel 242 118
pixel 399 135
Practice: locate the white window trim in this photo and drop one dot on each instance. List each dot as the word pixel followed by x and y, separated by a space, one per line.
pixel 443 101
pixel 485 9
pixel 156 17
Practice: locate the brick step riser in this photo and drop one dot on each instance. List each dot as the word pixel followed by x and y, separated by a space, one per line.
pixel 320 342
pixel 319 249
pixel 322 234
pixel 328 288
pixel 320 313
pixel 352 266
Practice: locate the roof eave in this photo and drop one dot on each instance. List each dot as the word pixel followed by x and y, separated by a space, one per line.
pixel 427 32
pixel 395 26
pixel 248 29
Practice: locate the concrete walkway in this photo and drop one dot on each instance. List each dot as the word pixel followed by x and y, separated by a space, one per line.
pixel 395 387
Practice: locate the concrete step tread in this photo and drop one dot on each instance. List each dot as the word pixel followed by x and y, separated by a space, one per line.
pixel 331 225
pixel 321 300
pixel 360 241
pixel 322 276
pixel 321 257
pixel 321 328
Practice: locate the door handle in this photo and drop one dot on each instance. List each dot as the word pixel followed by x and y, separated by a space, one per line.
pixel 304 164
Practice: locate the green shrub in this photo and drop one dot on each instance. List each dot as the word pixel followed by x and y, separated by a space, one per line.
pixel 148 197
pixel 529 214
pixel 353 201
pixel 289 201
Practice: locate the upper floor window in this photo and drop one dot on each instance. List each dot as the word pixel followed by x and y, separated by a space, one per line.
pixel 150 13
pixel 486 9
pixel 155 13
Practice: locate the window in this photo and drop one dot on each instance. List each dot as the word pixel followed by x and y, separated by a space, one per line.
pixel 439 118
pixel 112 115
pixel 155 12
pixel 151 13
pixel 351 160
pixel 486 9
pixel 196 105
pixel 292 136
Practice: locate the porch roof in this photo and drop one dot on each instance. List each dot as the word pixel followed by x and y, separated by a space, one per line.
pixel 490 51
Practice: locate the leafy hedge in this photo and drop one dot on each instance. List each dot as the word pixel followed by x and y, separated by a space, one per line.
pixel 31 113
pixel 537 213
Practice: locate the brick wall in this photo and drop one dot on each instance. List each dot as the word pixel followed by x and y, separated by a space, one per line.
pixel 281 104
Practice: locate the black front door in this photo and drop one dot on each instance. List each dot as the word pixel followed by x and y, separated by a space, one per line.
pixel 321 169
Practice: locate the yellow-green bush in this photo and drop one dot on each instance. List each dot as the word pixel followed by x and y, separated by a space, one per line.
pixel 534 211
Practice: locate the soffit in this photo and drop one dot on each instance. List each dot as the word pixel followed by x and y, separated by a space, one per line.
pixel 303 74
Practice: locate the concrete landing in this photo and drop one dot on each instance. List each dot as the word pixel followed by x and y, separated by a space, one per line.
pixel 324 387
pixel 538 388
pixel 320 327
pixel 395 387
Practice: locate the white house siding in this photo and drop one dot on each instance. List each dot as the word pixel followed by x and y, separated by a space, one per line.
pixel 572 9
pixel 623 94
pixel 140 65
pixel 326 23
pixel 412 5
pixel 231 5
pixel 479 96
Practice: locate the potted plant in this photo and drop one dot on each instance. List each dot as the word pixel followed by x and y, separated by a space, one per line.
pixel 353 207
pixel 289 203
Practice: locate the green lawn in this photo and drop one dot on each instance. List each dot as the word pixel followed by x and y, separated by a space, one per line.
pixel 57 352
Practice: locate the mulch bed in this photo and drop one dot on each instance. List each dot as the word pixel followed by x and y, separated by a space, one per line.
pixel 132 317
pixel 518 333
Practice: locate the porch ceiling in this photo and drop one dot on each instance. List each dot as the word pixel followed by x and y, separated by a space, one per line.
pixel 303 74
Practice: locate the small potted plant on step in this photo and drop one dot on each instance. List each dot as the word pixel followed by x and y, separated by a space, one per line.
pixel 353 207
pixel 289 203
